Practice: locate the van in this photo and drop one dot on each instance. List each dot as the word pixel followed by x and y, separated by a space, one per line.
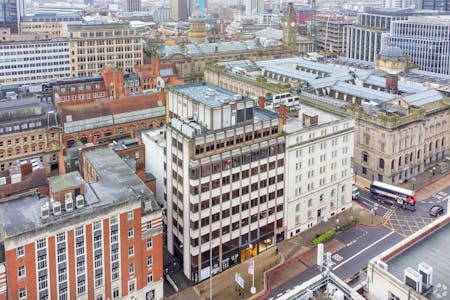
pixel 355 192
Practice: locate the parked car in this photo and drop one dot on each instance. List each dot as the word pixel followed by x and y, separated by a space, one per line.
pixel 436 210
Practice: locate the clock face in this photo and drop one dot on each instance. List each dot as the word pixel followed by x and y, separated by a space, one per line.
pixel 285 23
pixel 292 24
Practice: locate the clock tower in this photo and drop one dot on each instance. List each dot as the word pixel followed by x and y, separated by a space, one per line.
pixel 290 26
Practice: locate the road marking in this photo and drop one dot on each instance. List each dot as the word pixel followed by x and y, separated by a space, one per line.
pixel 288 290
pixel 355 255
pixel 279 295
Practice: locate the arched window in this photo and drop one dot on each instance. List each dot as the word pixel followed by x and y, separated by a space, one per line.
pixel 411 157
pixel 430 147
pixel 418 154
pixel 436 144
pixel 392 164
pixel 399 161
pixel 365 157
pixel 443 142
pixel 406 159
pixel 297 208
pixel 381 163
pixel 332 193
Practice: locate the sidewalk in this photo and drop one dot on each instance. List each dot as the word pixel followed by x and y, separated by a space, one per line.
pixel 225 286
pixel 297 254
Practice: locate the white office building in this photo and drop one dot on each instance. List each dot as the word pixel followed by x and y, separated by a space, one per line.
pixel 34 61
pixel 318 167
pixel 224 178
pixel 425 40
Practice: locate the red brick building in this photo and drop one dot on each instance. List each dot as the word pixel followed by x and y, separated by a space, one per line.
pixel 98 237
pixel 91 121
pixel 25 175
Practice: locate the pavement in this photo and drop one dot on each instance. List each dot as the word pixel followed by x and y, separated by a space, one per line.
pixel 293 260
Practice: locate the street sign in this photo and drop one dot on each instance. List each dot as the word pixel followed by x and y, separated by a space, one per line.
pixel 251 267
pixel 238 278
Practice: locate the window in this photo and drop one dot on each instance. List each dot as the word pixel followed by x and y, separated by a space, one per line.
pixel 20 251
pixel 131 285
pixel 365 157
pixel 149 261
pixel 149 277
pixel 130 233
pixel 130 215
pixel 21 272
pixel 130 251
pixel 23 293
pixel 149 244
pixel 149 225
pixel 131 269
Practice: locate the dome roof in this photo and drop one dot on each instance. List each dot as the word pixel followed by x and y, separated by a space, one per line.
pixel 392 52
pixel 197 15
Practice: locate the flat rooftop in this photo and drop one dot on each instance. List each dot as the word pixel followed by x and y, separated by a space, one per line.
pixel 117 185
pixel 433 250
pixel 208 94
pixel 296 124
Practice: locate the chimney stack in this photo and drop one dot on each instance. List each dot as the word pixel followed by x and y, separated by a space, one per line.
pixel 26 168
pixel 283 113
pixel 262 102
pixel 392 84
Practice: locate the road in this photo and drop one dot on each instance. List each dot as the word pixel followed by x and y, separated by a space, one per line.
pixel 363 243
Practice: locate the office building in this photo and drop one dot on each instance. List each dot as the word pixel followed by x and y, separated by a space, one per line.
pixel 133 5
pixel 93 238
pixel 225 168
pixel 364 37
pixel 11 12
pixel 254 7
pixel 440 5
pixel 29 129
pixel 425 40
pixel 318 167
pixel 53 23
pixel 32 59
pixel 399 4
pixel 331 33
pixel 190 59
pixel 95 45
pixel 180 9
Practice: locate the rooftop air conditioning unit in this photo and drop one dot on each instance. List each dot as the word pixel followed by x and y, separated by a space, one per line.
pixel 45 211
pixel 79 201
pixel 68 204
pixel 56 207
pixel 413 279
pixel 427 275
pixel 382 265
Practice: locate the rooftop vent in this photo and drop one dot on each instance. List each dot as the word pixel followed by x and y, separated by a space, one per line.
pixel 56 208
pixel 45 211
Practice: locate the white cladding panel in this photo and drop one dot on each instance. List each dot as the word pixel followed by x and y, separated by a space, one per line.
pixel 226 112
pixel 217 118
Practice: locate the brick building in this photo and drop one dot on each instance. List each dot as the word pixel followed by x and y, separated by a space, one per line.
pixel 23 176
pixel 98 237
pixel 111 83
pixel 91 121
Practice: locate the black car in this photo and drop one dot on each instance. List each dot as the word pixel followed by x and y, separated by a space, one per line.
pixel 436 210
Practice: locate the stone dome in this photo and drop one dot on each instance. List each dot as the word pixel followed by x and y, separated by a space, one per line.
pixel 197 15
pixel 390 52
